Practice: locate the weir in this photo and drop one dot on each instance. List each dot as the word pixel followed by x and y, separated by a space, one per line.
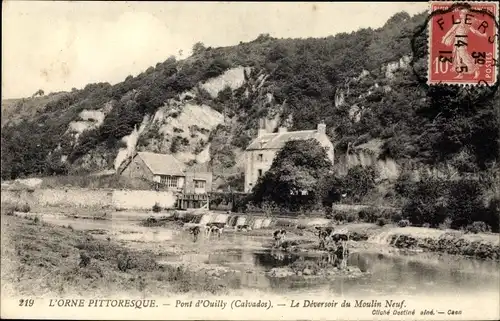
pixel 231 220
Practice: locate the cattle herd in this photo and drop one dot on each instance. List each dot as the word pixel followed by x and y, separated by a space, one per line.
pixel 214 229
pixel 334 242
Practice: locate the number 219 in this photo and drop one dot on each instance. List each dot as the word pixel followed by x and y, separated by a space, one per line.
pixel 26 303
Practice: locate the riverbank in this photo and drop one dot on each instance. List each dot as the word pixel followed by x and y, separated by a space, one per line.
pixel 478 246
pixel 41 259
pixel 483 246
pixel 45 254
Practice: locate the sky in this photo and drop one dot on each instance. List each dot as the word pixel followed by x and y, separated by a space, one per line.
pixel 55 46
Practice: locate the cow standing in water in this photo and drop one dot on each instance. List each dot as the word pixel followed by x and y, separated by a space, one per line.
pixel 279 237
pixel 324 235
pixel 337 250
pixel 195 231
pixel 215 228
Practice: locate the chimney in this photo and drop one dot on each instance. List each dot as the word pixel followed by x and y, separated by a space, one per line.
pixel 262 127
pixel 322 128
pixel 282 129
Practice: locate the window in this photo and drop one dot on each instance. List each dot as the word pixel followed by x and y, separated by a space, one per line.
pixel 169 181
pixel 260 157
pixel 260 172
pixel 199 184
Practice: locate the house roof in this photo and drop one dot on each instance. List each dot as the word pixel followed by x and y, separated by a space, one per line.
pixel 278 140
pixel 162 164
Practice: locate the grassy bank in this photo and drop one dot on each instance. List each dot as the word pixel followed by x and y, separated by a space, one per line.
pixel 479 246
pixel 41 259
pixel 476 245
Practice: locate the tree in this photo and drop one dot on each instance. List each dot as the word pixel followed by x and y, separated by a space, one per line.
pixel 465 204
pixel 330 191
pixel 359 181
pixel 198 48
pixel 291 182
pixel 39 92
pixel 427 202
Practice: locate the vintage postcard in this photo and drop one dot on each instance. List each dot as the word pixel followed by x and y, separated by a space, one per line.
pixel 250 160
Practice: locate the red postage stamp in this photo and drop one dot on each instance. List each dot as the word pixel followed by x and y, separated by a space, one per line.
pixel 463 43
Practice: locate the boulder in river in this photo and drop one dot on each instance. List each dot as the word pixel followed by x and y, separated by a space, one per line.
pixel 307 271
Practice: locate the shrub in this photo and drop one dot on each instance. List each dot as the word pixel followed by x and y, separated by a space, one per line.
pixel 477 227
pixel 362 215
pixel 8 210
pixel 36 220
pixel 465 203
pixel 340 216
pixel 359 181
pixel 84 260
pixel 371 215
pixel 446 224
pixel 428 203
pixel 494 214
pixel 156 208
pixel 403 223
pixel 352 217
pixel 24 208
pixel 129 261
pixel 397 217
pixel 381 221
pixel 269 208
pixel 404 186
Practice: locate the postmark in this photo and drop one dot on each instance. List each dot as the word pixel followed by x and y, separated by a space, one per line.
pixel 463 43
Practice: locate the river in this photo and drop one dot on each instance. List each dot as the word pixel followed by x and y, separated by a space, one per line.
pixel 388 271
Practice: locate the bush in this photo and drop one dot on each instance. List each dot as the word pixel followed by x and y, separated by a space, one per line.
pixel 352 217
pixel 24 208
pixel 340 216
pixel 142 263
pixel 8 210
pixel 403 223
pixel 397 217
pixel 477 227
pixel 156 208
pixel 381 221
pixel 404 186
pixel 427 204
pixel 446 224
pixel 465 204
pixel 362 215
pixel 371 215
pixel 84 260
pixel 494 214
pixel 359 181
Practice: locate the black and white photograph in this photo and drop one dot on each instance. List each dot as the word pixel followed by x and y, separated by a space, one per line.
pixel 250 160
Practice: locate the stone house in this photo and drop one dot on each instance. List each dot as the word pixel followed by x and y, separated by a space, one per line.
pixel 259 155
pixel 168 172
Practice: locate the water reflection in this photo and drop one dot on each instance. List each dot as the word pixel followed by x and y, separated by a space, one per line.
pixel 275 259
pixel 385 274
